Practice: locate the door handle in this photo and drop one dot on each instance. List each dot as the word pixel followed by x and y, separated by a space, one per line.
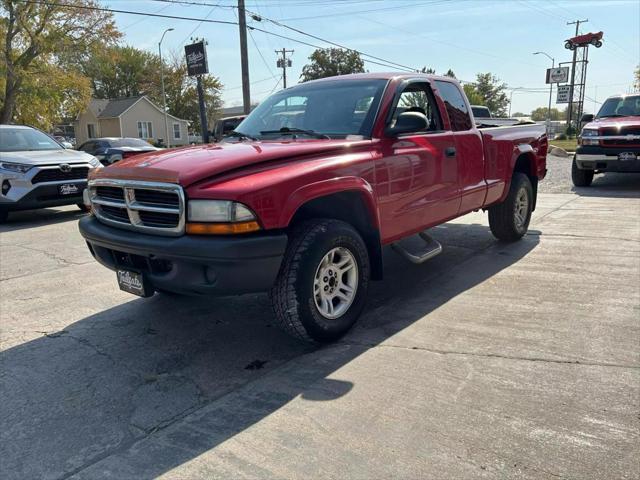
pixel 450 152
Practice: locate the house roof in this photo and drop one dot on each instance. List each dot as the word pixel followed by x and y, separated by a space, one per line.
pixel 117 106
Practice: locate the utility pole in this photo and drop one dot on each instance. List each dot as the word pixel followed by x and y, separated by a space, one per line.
pixel 553 64
pixel 283 63
pixel 164 97
pixel 244 58
pixel 573 72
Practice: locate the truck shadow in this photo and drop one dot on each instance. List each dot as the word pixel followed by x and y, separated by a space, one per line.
pixel 622 185
pixel 144 374
pixel 37 218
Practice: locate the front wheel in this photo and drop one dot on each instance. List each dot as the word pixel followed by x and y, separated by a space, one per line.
pixel 580 177
pixel 510 219
pixel 323 281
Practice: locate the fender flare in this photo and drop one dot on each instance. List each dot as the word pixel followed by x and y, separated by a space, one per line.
pixel 324 188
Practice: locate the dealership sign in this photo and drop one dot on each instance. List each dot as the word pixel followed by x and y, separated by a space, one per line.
pixel 564 93
pixel 558 75
pixel 196 54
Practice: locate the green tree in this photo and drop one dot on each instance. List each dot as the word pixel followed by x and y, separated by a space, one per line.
pixel 636 83
pixel 122 71
pixel 519 114
pixel 328 62
pixel 450 74
pixel 493 93
pixel 35 38
pixel 540 113
pixel 473 95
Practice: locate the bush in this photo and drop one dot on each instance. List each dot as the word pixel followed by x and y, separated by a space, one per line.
pixel 561 136
pixel 570 131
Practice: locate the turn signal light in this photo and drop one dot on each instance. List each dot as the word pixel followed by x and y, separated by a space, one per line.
pixel 222 228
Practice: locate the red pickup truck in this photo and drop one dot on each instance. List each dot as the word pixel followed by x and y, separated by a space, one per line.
pixel 303 195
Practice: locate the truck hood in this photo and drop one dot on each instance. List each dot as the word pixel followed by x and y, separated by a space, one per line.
pixel 186 166
pixel 46 157
pixel 620 122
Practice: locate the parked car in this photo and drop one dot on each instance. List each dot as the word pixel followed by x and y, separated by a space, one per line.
pixel 224 126
pixel 303 209
pixel 610 141
pixel 484 117
pixel 112 149
pixel 63 141
pixel 37 172
pixel 594 39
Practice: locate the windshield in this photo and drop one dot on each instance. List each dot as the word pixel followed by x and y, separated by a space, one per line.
pixel 333 109
pixel 129 142
pixel 25 139
pixel 620 107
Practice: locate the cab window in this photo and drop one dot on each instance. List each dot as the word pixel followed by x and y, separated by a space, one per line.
pixel 455 104
pixel 417 97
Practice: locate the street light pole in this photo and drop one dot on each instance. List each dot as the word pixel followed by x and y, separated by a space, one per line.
pixel 553 64
pixel 164 98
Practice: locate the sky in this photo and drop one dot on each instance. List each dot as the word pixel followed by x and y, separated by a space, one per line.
pixel 468 36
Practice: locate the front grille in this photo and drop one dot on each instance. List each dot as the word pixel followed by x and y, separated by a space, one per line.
pixel 620 134
pixel 145 206
pixel 57 175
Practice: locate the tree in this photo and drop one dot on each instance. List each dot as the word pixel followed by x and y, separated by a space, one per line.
pixel 328 62
pixel 122 71
pixel 473 95
pixel 35 37
pixel 519 114
pixel 636 83
pixel 540 113
pixel 492 91
pixel 450 74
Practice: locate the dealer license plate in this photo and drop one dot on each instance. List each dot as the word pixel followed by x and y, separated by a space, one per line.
pixel 133 282
pixel 627 156
pixel 69 189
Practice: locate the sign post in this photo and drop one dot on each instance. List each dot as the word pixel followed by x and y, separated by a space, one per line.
pixel 196 54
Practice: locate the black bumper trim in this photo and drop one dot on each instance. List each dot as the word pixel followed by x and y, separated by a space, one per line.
pixel 189 264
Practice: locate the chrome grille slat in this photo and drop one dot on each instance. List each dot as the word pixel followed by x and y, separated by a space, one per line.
pixel 134 205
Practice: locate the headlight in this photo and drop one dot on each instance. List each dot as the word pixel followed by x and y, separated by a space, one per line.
pixel 216 217
pixel 587 135
pixel 94 162
pixel 15 167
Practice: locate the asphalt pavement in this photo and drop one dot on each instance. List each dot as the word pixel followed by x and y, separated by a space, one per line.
pixel 490 361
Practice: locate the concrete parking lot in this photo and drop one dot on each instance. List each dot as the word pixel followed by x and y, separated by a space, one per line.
pixel 490 361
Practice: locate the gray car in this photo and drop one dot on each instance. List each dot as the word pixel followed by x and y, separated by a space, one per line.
pixel 38 172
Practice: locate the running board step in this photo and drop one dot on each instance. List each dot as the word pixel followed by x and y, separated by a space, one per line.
pixel 432 248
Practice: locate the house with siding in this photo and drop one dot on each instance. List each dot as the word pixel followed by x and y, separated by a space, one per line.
pixel 136 117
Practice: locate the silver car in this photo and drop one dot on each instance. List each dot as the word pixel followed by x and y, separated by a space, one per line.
pixel 37 172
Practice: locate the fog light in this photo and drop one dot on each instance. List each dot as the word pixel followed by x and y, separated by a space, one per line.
pixel 6 186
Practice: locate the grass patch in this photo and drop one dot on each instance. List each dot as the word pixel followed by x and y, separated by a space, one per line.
pixel 567 145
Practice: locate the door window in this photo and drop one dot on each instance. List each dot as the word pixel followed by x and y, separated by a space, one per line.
pixel 455 104
pixel 417 97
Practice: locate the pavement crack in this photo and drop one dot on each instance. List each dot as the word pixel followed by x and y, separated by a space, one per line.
pixel 52 256
pixel 494 355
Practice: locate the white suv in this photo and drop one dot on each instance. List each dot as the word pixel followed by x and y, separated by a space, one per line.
pixel 37 172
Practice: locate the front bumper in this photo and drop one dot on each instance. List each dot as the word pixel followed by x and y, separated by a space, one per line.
pixel 190 265
pixel 606 159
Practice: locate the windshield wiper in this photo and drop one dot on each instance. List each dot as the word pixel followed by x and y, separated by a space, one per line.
pixel 295 131
pixel 241 135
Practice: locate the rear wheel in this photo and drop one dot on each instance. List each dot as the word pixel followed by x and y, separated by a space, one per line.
pixel 580 177
pixel 323 281
pixel 510 219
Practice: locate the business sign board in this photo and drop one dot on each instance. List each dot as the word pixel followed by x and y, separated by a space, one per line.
pixel 558 75
pixel 196 54
pixel 564 93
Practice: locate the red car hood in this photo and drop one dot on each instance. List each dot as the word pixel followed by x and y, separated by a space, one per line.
pixel 630 121
pixel 186 166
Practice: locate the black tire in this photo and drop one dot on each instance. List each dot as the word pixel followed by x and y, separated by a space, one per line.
pixel 4 215
pixel 82 207
pixel 503 218
pixel 292 294
pixel 580 177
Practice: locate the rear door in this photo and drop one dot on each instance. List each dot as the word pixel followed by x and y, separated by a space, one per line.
pixel 468 144
pixel 417 174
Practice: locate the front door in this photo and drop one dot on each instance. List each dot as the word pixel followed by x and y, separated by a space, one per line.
pixel 416 172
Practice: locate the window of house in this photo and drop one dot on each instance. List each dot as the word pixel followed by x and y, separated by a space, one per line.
pixel 145 130
pixel 91 130
pixel 456 106
pixel 417 97
pixel 176 131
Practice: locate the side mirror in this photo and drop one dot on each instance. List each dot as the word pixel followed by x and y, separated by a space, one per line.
pixel 408 122
pixel 586 118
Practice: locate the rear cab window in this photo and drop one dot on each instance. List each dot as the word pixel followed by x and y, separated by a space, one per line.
pixel 456 105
